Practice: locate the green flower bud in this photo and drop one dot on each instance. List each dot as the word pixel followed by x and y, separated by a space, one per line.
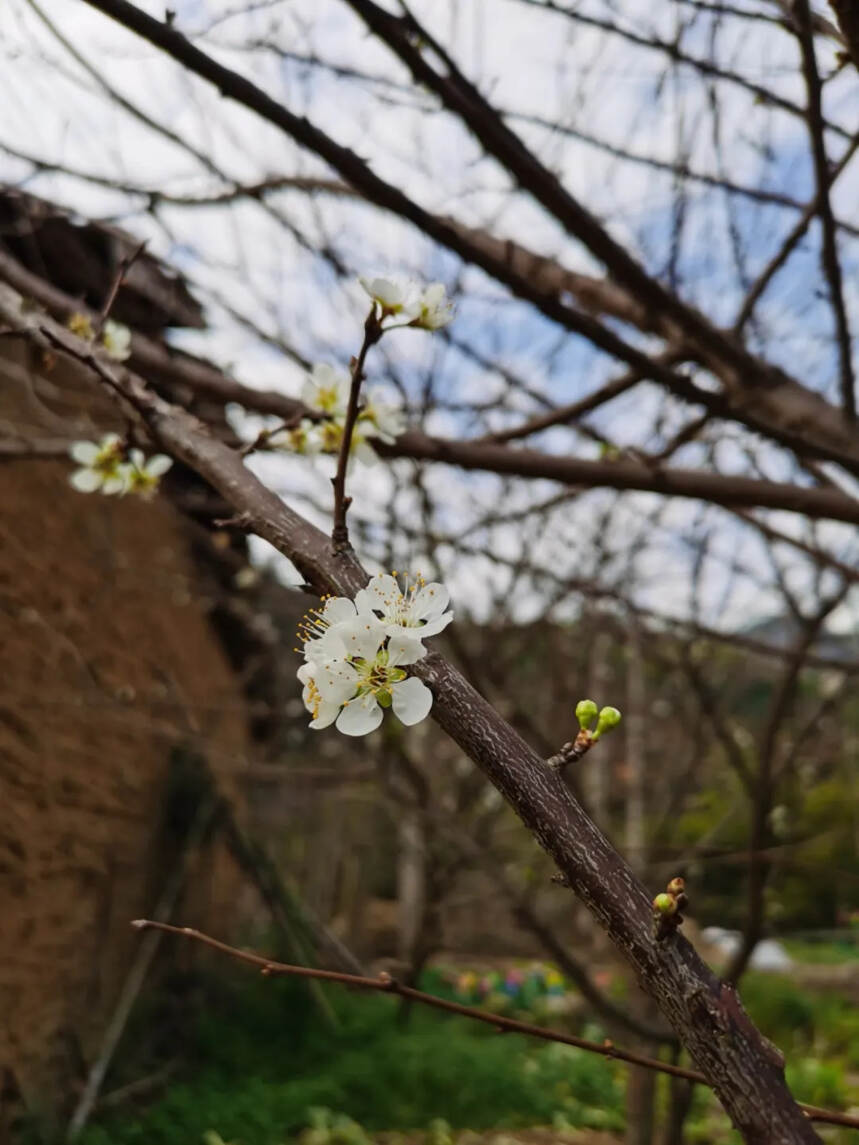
pixel 665 904
pixel 677 886
pixel 586 713
pixel 608 718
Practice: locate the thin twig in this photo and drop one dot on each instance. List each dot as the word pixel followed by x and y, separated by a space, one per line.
pixel 340 533
pixel 388 985
pixel 829 231
pixel 125 264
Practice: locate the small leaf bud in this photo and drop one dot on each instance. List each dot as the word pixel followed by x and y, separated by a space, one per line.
pixel 665 904
pixel 608 718
pixel 586 713
pixel 677 886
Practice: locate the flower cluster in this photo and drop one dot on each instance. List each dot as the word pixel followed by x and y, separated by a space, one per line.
pixel 355 653
pixel 115 338
pixel 327 391
pixel 427 309
pixel 107 466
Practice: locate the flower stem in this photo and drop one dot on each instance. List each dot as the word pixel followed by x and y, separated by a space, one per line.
pixel 340 534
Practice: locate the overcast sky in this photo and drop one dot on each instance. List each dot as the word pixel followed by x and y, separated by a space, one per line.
pixel 564 84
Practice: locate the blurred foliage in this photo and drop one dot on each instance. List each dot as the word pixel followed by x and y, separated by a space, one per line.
pixel 261 1069
pixel 259 1066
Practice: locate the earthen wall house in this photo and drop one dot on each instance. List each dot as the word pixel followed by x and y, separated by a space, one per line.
pixel 112 677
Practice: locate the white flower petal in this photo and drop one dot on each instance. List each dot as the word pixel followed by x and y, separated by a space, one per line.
pixel 389 294
pixel 84 452
pixel 338 609
pixel 384 590
pixel 326 715
pixel 309 392
pixel 433 627
pixel 363 451
pixel 116 483
pixel 360 717
pixel 412 701
pixel 326 648
pixel 430 602
pixel 335 680
pixel 363 637
pixel 85 480
pixel 137 458
pixel 404 649
pixel 158 465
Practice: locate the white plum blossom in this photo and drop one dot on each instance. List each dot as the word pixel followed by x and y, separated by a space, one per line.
pixel 329 436
pixel 392 297
pixel 143 476
pixel 433 309
pixel 417 612
pixel 101 465
pixel 355 653
pixel 327 390
pixel 379 418
pixel 303 438
pixel 352 692
pixel 116 340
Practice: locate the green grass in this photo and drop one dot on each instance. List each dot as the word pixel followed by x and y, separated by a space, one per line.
pixel 830 953
pixel 260 1062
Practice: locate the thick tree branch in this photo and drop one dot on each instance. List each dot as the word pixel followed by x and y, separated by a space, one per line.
pixel 729 491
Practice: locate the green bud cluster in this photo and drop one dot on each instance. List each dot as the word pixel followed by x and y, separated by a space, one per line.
pixel 667 907
pixel 587 712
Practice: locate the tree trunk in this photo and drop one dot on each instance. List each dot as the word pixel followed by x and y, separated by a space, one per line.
pixel 596 780
pixel 640 1097
pixel 411 883
pixel 635 722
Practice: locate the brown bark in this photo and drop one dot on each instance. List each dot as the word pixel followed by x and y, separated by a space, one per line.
pixel 847 15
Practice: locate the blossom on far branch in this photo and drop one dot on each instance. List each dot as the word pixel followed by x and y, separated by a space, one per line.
pixel 390 297
pixel 101 465
pixel 433 309
pixel 303 438
pixel 427 309
pixel 378 418
pixel 143 476
pixel 327 390
pixel 105 467
pixel 116 340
